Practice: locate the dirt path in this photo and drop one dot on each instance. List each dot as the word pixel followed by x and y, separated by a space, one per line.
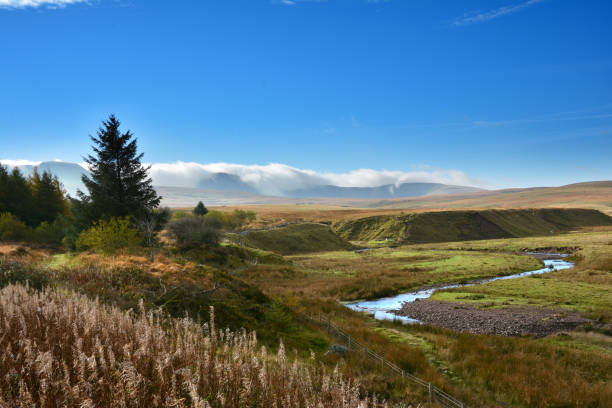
pixel 513 321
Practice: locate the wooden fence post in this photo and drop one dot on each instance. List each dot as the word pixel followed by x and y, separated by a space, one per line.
pixel 430 395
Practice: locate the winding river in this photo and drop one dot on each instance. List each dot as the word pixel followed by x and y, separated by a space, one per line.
pixel 384 308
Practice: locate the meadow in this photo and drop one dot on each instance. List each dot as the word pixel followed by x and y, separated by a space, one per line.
pixel 266 289
pixel 352 275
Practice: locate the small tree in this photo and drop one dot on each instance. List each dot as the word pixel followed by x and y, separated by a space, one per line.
pixel 149 225
pixel 200 209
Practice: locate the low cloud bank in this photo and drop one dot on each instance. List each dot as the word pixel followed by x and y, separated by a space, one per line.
pixel 279 179
pixel 273 179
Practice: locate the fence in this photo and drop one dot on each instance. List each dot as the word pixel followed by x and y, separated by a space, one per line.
pixel 436 395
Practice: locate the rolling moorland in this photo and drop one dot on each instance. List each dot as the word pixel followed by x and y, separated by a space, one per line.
pixel 110 299
pixel 262 280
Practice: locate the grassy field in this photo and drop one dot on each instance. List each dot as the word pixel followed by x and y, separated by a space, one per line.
pixel 586 288
pixel 382 272
pixel 261 290
pixel 596 195
pixel 566 369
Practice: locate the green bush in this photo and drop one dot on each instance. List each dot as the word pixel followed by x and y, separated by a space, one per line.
pixel 231 221
pixel 109 236
pixel 53 233
pixel 177 215
pixel 12 229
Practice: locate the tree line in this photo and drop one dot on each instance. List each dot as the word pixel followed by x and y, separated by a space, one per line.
pixel 119 209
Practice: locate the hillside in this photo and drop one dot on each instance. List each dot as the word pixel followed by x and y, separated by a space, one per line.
pixel 447 226
pixel 294 239
pixel 596 194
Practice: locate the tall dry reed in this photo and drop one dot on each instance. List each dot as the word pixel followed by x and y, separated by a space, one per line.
pixel 61 349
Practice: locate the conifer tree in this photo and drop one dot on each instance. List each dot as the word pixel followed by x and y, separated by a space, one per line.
pixel 119 184
pixel 200 209
pixel 16 196
pixel 48 197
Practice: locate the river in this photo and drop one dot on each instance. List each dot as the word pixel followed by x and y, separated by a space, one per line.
pixel 384 308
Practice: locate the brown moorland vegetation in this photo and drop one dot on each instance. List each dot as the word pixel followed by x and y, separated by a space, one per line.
pixel 63 350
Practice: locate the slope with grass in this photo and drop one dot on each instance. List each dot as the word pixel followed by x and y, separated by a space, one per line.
pixel 180 289
pixel 293 239
pixel 448 226
pixel 62 349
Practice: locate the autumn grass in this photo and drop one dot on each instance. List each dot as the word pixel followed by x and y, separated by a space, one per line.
pixel 349 275
pixel 62 349
pixel 585 288
pixel 524 372
pixel 293 239
pixel 179 289
pixel 461 225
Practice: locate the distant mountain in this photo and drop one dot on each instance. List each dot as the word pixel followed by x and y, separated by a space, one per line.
pixel 224 182
pixel 236 189
pixel 387 191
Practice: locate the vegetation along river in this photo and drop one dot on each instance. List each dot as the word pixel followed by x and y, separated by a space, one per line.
pixel 385 308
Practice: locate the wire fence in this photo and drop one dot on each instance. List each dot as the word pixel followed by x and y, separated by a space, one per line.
pixel 436 395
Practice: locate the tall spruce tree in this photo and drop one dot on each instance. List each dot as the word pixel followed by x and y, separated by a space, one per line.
pixel 119 184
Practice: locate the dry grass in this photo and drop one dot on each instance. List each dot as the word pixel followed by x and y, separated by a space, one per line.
pixel 524 372
pixel 61 349
pixel 596 196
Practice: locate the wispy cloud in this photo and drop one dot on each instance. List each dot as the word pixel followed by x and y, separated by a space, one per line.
pixel 484 16
pixel 19 4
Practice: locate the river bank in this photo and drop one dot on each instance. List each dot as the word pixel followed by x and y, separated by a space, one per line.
pixel 414 308
pixel 513 321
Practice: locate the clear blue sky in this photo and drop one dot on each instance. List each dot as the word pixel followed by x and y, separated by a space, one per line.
pixel 511 92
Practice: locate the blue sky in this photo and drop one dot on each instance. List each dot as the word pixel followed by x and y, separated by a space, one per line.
pixel 506 92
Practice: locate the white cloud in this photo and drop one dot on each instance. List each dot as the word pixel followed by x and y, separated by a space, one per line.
pixel 276 179
pixel 14 163
pixel 38 3
pixel 481 17
pixel 279 179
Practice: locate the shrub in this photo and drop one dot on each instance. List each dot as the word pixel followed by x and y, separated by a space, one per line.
pixel 53 233
pixel 12 229
pixel 232 221
pixel 109 236
pixel 177 215
pixel 193 230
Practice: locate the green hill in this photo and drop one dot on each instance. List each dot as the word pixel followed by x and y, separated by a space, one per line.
pixel 447 226
pixel 294 239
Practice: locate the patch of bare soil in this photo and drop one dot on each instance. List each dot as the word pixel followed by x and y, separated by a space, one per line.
pixel 513 321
